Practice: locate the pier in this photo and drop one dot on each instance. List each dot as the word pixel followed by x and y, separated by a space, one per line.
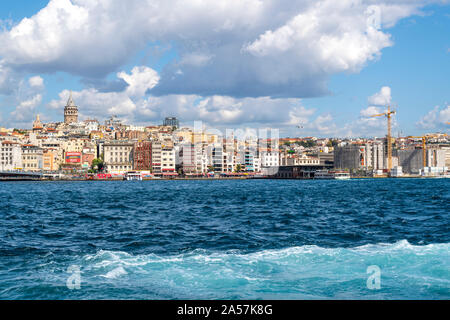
pixel 20 176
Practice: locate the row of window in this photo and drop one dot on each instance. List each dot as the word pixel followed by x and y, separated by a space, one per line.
pixel 120 167
pixel 118 148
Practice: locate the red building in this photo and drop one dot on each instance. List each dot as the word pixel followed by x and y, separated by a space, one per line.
pixel 143 155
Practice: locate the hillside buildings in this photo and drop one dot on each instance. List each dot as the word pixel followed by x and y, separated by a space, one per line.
pixel 168 150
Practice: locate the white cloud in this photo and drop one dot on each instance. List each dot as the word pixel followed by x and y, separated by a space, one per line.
pixel 8 80
pixel 139 81
pixel 36 82
pixel 25 111
pixel 222 112
pixel 382 98
pixel 334 35
pixel 370 111
pixel 437 118
pixel 93 103
pixel 367 125
pixel 247 48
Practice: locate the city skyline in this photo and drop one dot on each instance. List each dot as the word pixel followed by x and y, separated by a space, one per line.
pixel 232 158
pixel 400 60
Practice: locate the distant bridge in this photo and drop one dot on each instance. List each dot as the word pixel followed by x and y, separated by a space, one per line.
pixel 20 176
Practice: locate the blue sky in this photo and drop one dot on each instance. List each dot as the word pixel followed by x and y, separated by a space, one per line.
pixel 229 66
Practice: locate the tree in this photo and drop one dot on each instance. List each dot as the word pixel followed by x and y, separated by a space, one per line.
pixel 308 144
pixel 98 165
pixel 238 168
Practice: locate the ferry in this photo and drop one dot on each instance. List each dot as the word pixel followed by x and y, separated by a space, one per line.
pixel 133 176
pixel 331 175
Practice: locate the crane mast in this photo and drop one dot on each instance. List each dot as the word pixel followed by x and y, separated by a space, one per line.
pixel 388 115
pixel 389 139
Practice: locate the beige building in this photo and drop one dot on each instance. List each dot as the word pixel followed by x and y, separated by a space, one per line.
pixel 118 157
pixel 50 160
pixel 74 145
pixel 32 158
pixel 302 160
pixel 447 156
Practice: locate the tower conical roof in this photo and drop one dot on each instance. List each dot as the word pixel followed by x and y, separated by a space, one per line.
pixel 70 102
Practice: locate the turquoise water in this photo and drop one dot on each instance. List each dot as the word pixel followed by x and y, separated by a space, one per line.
pixel 225 239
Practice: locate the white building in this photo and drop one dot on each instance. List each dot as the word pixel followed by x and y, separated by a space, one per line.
pixel 10 156
pixel 91 125
pixel 229 162
pixel 270 159
pixel 374 156
pixel 192 159
pixel 168 160
pixel 156 158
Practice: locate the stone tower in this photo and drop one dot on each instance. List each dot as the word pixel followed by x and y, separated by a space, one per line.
pixel 70 111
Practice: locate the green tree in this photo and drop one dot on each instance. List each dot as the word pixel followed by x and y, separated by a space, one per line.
pixel 238 168
pixel 98 165
pixel 308 144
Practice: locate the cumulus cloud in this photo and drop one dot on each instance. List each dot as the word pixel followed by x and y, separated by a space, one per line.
pixel 370 111
pixel 437 118
pixel 139 81
pixel 382 98
pixel 8 80
pixel 247 48
pixel 367 125
pixel 26 109
pixel 36 82
pixel 134 106
pixel 27 95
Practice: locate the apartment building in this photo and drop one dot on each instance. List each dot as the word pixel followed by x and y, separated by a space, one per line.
pixel 156 158
pixel 50 157
pixel 270 159
pixel 168 161
pixel 32 158
pixel 10 155
pixel 118 157
pixel 143 155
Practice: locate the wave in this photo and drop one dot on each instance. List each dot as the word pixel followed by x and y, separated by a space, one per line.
pixel 307 272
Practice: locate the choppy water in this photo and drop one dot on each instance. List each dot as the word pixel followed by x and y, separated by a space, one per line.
pixel 225 239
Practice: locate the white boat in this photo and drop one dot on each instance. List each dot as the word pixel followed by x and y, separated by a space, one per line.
pixel 341 175
pixel 331 175
pixel 133 176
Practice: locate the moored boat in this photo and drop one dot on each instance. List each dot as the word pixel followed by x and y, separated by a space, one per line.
pixel 331 175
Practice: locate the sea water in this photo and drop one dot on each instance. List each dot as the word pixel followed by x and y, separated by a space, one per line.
pixel 230 239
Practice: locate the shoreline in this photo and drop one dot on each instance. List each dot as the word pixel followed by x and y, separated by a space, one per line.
pixel 207 179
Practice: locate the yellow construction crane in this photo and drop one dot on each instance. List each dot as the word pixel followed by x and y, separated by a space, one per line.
pixel 388 115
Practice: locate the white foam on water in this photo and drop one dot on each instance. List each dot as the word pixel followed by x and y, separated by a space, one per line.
pixel 117 272
pixel 408 271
